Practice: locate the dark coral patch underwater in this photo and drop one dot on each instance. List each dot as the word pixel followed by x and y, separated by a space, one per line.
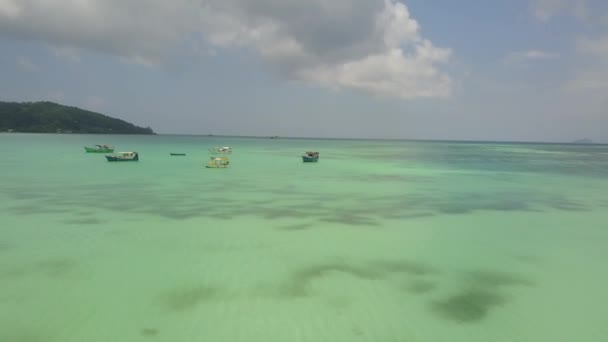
pixel 185 299
pixel 469 306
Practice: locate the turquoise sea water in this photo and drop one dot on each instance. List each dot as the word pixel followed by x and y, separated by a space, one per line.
pixel 380 241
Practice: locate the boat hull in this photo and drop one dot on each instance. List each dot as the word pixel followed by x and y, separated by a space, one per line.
pixel 218 163
pixel 308 159
pixel 220 150
pixel 98 150
pixel 177 154
pixel 121 159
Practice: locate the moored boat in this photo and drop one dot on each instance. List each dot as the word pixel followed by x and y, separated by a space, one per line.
pixel 218 163
pixel 308 157
pixel 123 156
pixel 177 154
pixel 99 149
pixel 220 150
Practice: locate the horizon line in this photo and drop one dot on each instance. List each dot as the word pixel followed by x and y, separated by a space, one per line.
pixel 388 139
pixel 276 137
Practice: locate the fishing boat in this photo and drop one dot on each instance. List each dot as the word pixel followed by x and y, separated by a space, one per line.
pixel 308 157
pixel 177 154
pixel 220 150
pixel 123 156
pixel 99 149
pixel 218 163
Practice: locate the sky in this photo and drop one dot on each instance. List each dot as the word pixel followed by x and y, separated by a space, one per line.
pixel 502 70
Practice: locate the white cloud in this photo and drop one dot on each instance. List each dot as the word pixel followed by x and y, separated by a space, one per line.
pixel 374 46
pixel 26 64
pixel 597 47
pixel 530 55
pixel 589 73
pixel 544 10
pixel 375 49
pixel 593 73
pixel 9 9
pixel 389 74
pixel 144 29
pixel 588 80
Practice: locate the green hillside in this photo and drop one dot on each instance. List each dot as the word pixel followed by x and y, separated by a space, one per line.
pixel 49 117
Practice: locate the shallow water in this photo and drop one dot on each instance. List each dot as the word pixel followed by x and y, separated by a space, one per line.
pixel 379 241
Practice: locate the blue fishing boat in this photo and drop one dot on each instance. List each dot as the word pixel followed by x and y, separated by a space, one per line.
pixel 309 157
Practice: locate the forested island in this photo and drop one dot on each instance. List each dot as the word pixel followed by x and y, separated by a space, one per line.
pixel 49 117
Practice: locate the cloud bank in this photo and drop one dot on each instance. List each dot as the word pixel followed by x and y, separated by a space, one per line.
pixel 546 9
pixel 530 55
pixel 593 73
pixel 373 46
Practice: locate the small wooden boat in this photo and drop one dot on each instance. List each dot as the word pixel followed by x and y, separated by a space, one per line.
pixel 218 163
pixel 99 149
pixel 123 156
pixel 309 157
pixel 177 154
pixel 220 150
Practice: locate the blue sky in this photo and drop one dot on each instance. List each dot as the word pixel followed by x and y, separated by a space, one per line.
pixel 533 70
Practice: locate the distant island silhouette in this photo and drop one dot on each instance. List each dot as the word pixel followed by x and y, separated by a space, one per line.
pixel 50 117
pixel 583 141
